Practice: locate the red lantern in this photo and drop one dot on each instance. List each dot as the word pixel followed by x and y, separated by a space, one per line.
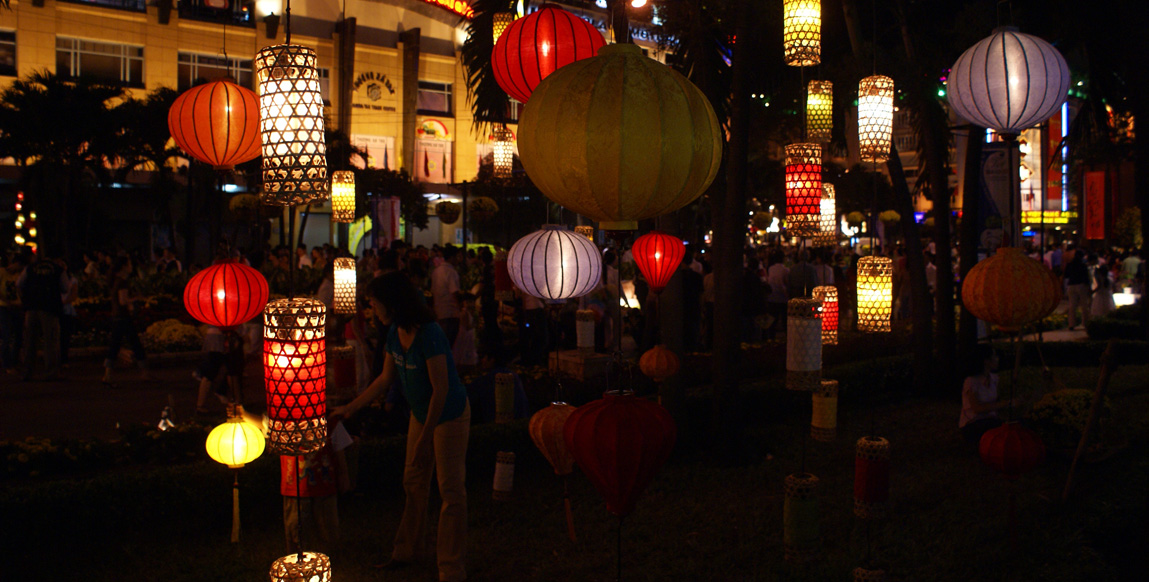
pixel 535 45
pixel 1011 449
pixel 1010 290
pixel 658 255
pixel 217 123
pixel 226 294
pixel 803 189
pixel 620 442
pixel 295 375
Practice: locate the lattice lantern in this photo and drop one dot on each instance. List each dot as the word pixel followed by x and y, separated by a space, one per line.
pixel 343 196
pixel 824 416
pixel 803 344
pixel 554 264
pixel 803 188
pixel 295 375
pixel 800 516
pixel 875 294
pixel 291 126
pixel 827 218
pixel 802 32
pixel 819 111
pixel 504 152
pixel 302 567
pixel 499 23
pixel 871 477
pixel 875 118
pixel 828 295
pixel 345 289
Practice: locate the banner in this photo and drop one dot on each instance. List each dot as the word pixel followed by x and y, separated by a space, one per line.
pixel 385 215
pixel 380 151
pixel 1095 205
pixel 433 161
pixel 993 216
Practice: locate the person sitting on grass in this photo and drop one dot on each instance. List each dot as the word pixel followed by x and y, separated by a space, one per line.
pixel 481 392
pixel 979 401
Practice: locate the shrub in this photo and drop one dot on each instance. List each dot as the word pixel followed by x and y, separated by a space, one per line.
pixel 172 335
pixel 1060 416
pixel 1104 328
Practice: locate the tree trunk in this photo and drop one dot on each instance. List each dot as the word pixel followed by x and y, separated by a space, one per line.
pixel 302 222
pixel 967 330
pixel 920 304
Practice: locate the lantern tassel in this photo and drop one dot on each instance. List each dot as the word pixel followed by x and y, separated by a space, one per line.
pixel 235 509
pixel 570 515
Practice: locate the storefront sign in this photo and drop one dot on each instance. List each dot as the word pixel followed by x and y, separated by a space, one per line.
pixel 457 6
pixel 1052 217
pixel 433 161
pixel 380 151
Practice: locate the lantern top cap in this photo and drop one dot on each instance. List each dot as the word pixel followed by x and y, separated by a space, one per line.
pixel 621 393
pixel 1002 29
pixel 620 49
pixel 554 227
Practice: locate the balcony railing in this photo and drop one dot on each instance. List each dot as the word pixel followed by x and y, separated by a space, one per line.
pixel 237 13
pixel 130 5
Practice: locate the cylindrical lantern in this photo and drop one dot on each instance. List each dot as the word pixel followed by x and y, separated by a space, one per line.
pixel 503 155
pixel 499 23
pixel 584 330
pixel 546 430
pixel 658 255
pixel 828 295
pixel 659 363
pixel 1010 290
pixel 800 537
pixel 536 45
pixel 1011 449
pixel 869 575
pixel 291 126
pixel 341 378
pixel 345 289
pixel 824 420
pixel 554 264
pixel 875 118
pixel 235 443
pixel 587 231
pixel 871 477
pixel 448 212
pixel 828 218
pixel 504 482
pixel 875 294
pixel 504 397
pixel 343 196
pixel 1008 82
pixel 802 32
pixel 819 111
pixel 803 188
pixel 803 344
pixel 226 294
pixel 217 123
pixel 315 567
pixel 295 374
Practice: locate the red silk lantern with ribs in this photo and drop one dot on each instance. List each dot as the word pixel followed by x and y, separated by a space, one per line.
pixel 537 44
pixel 217 123
pixel 1011 449
pixel 226 294
pixel 658 255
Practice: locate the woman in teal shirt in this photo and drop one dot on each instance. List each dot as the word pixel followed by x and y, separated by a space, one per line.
pixel 419 355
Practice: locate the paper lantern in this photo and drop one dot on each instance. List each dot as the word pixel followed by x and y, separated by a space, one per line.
pixel 291 126
pixel 499 23
pixel 659 363
pixel 620 138
pixel 587 231
pixel 827 218
pixel 824 419
pixel 1008 82
pixel 343 196
pixel 554 264
pixel 658 255
pixel 802 32
pixel 503 156
pixel 875 294
pixel 803 344
pixel 800 537
pixel 828 295
pixel 1010 290
pixel 295 374
pixel 620 442
pixel 819 111
pixel 448 212
pixel 871 477
pixel 536 45
pixel 1011 449
pixel 314 567
pixel 546 428
pixel 345 289
pixel 235 443
pixel 803 188
pixel 875 118
pixel 226 294
pixel 217 123
pixel 584 330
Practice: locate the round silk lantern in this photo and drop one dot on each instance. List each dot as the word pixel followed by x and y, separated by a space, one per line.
pixel 824 419
pixel 827 218
pixel 235 443
pixel 1011 449
pixel 295 375
pixel 819 111
pixel 554 264
pixel 802 32
pixel 343 196
pixel 448 212
pixel 619 138
pixel 803 344
pixel 803 188
pixel 875 118
pixel 658 255
pixel 871 477
pixel 875 294
pixel 828 295
pixel 291 126
pixel 800 535
pixel 1010 290
pixel 313 567
pixel 659 363
pixel 217 123
pixel 345 289
pixel 226 294
pixel 536 45
pixel 1008 82
pixel 620 442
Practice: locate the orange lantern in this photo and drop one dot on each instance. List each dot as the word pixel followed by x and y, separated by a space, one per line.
pixel 1011 449
pixel 1010 290
pixel 547 431
pixel 658 255
pixel 659 363
pixel 217 123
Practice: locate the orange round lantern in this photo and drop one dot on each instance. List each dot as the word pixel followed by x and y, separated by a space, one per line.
pixel 659 363
pixel 1010 290
pixel 658 255
pixel 217 123
pixel 547 431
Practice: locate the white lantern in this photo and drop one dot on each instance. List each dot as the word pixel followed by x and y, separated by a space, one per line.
pixel 875 118
pixel 291 126
pixel 828 220
pixel 1008 82
pixel 344 285
pixel 554 264
pixel 504 152
pixel 343 196
pixel 802 32
pixel 584 330
pixel 819 111
pixel 803 344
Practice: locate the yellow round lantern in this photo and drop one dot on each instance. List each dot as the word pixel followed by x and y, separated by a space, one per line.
pixel 1010 290
pixel 619 138
pixel 235 443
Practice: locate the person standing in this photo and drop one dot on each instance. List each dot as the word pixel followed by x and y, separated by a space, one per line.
pixel 776 276
pixel 445 288
pixel 69 295
pixel 11 313
pixel 41 287
pixel 123 326
pixel 1102 288
pixel 1077 279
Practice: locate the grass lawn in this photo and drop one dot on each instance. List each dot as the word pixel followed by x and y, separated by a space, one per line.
pixel 697 521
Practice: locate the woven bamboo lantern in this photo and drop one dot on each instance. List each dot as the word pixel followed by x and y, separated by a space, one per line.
pixel 800 535
pixel 217 123
pixel 503 157
pixel 869 575
pixel 871 477
pixel 659 363
pixel 803 344
pixel 803 188
pixel 584 330
pixel 585 230
pixel 827 218
pixel 499 23
pixel 1010 290
pixel 554 264
pixel 314 567
pixel 824 420
pixel 828 295
pixel 295 374
pixel 657 256
pixel 875 294
pixel 535 46
pixel 291 126
pixel 343 196
pixel 819 111
pixel 504 482
pixel 345 289
pixel 875 118
pixel 802 32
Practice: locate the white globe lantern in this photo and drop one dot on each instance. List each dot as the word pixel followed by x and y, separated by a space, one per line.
pixel 554 264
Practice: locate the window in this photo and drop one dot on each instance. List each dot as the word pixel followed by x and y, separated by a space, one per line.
pixel 195 68
pixel 8 53
pixel 511 113
pixel 105 61
pixel 325 85
pixel 434 98
pixel 133 5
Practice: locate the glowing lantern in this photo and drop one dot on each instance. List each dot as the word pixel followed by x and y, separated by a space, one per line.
pixel 800 535
pixel 875 118
pixel 504 152
pixel 554 264
pixel 659 363
pixel 499 23
pixel 828 295
pixel 216 123
pixel 345 289
pixel 291 126
pixel 803 344
pixel 343 196
pixel 314 567
pixel 827 218
pixel 619 138
pixel 226 294
pixel 803 188
pixel 587 231
pixel 295 374
pixel 875 294
pixel 658 255
pixel 819 111
pixel 802 32
pixel 1011 449
pixel 824 416
pixel 536 45
pixel 1010 290
pixel 871 476
pixel 235 443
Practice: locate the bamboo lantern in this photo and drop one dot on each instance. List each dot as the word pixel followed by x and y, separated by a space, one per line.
pixel 819 111
pixel 217 123
pixel 875 118
pixel 504 397
pixel 875 294
pixel 499 23
pixel 343 196
pixel 584 330
pixel 803 344
pixel 291 126
pixel 657 256
pixel 503 147
pixel 345 289
pixel 659 363
pixel 554 264
pixel 315 567
pixel 504 482
pixel 871 477
pixel 800 536
pixel 1010 290
pixel 587 231
pixel 828 295
pixel 827 218
pixel 869 575
pixel 824 420
pixel 295 374
pixel 803 188
pixel 802 32
pixel 535 46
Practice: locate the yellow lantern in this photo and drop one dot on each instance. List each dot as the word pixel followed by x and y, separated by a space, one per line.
pixel 828 218
pixel 291 126
pixel 235 443
pixel 875 294
pixel 499 24
pixel 875 118
pixel 587 231
pixel 344 285
pixel 819 111
pixel 343 196
pixel 302 567
pixel 824 416
pixel 504 152
pixel 802 32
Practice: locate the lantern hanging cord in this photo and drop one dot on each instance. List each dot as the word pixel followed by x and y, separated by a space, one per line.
pixel 1009 5
pixel 873 47
pixel 291 252
pixel 287 40
pixel 877 217
pixel 298 513
pixel 619 540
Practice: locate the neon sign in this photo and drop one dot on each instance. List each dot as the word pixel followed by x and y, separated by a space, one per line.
pixel 457 6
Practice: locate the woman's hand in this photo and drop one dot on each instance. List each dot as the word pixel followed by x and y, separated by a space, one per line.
pixel 337 414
